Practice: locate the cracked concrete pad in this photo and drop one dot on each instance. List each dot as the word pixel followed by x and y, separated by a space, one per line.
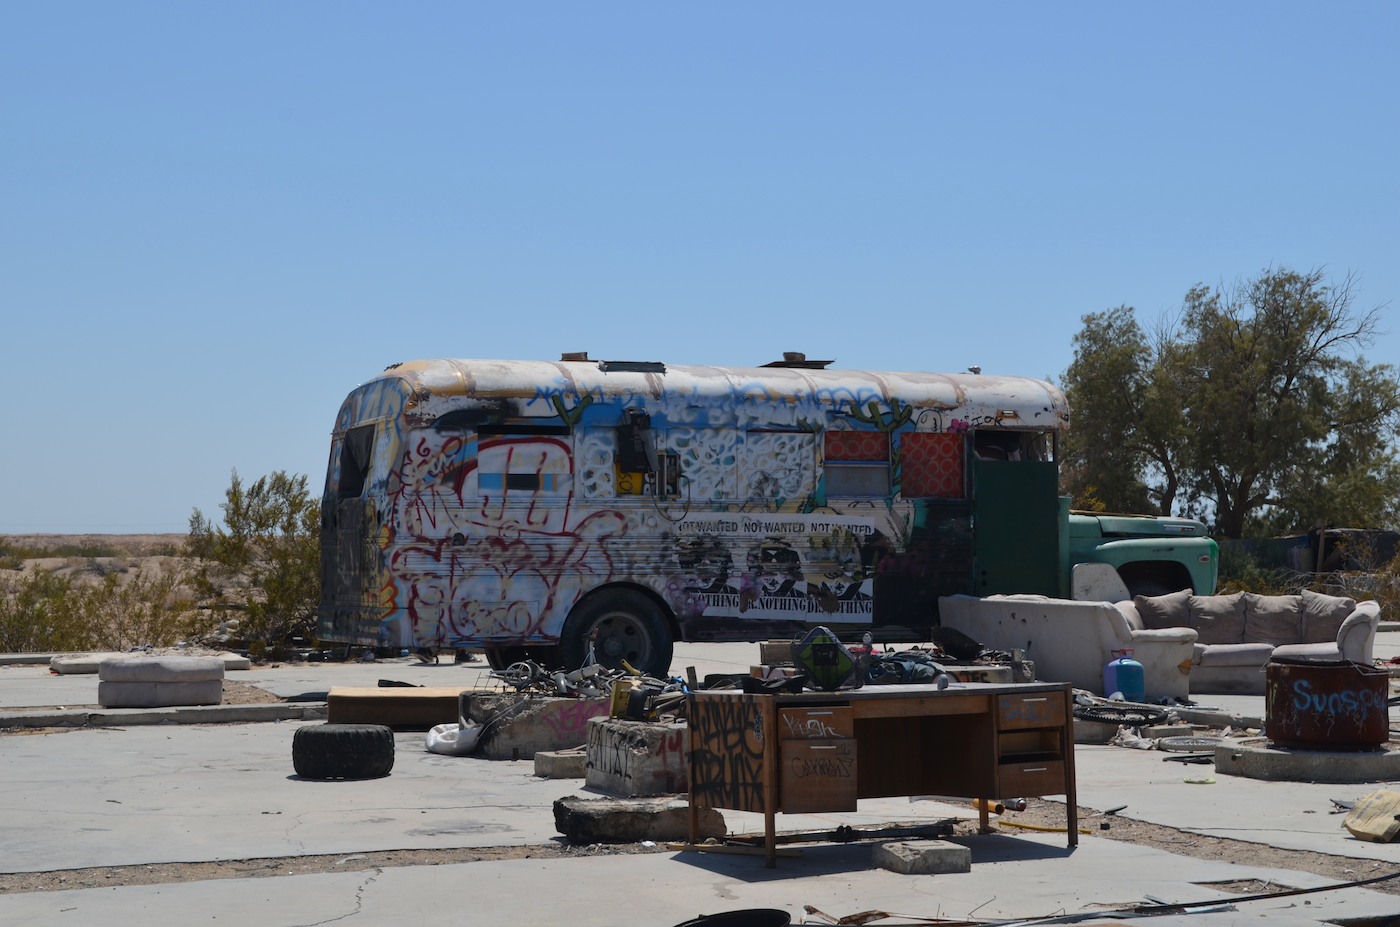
pixel 1015 877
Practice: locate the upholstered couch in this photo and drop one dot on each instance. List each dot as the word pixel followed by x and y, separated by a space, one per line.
pixel 1239 633
pixel 1070 641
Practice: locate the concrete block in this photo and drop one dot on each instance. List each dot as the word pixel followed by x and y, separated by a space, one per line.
pixel 561 764
pixel 634 758
pixel 1093 732
pixel 629 820
pixel 1256 758
pixel 417 708
pixel 921 857
pixel 526 725
pixel 160 669
pixel 160 694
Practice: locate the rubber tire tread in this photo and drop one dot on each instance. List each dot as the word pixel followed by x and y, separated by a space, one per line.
pixel 573 646
pixel 343 751
pixel 1110 714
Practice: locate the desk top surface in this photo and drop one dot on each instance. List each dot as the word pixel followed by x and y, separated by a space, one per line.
pixel 900 691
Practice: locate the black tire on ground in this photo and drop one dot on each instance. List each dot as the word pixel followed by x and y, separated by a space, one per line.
pixel 630 627
pixel 343 751
pixel 546 655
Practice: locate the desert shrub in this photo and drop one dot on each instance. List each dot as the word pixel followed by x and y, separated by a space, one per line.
pixel 145 610
pixel 40 612
pixel 265 560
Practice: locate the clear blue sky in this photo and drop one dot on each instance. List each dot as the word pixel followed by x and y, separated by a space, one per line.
pixel 217 219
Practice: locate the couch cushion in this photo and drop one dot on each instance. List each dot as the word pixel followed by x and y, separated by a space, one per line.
pixel 1273 619
pixel 1159 612
pixel 1218 619
pixel 1323 616
pixel 1236 655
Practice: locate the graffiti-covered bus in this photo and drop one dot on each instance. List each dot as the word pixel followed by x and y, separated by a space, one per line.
pixel 535 508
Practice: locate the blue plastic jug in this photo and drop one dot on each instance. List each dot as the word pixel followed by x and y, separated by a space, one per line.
pixel 1125 675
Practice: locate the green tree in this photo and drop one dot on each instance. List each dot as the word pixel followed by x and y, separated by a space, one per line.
pixel 1127 431
pixel 1285 429
pixel 265 559
pixel 1246 407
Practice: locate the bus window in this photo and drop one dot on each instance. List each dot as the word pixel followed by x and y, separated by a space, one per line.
pixel 931 466
pixel 1010 445
pixel 857 463
pixel 708 459
pixel 779 464
pixel 354 461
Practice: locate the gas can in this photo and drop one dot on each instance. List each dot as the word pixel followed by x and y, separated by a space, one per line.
pixel 1124 674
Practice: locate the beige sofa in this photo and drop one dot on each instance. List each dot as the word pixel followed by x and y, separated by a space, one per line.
pixel 1239 633
pixel 1071 641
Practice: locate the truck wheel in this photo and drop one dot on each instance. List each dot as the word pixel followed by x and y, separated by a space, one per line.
pixel 630 627
pixel 343 751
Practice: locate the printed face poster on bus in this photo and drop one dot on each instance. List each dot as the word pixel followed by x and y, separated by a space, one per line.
pixel 761 566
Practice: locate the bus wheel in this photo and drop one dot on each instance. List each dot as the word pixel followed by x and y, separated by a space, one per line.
pixel 629 627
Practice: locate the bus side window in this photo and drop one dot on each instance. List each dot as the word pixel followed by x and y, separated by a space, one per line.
pixel 857 463
pixel 354 461
pixel 1010 445
pixel 931 465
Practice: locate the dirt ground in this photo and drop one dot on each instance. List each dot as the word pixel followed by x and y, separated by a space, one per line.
pixel 1039 812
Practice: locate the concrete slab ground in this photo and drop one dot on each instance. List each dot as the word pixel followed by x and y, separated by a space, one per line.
pixel 1293 815
pixel 177 793
pixel 184 793
pixel 1010 877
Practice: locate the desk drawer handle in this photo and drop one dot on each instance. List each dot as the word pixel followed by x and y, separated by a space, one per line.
pixel 815 747
pixel 1035 700
pixel 1035 769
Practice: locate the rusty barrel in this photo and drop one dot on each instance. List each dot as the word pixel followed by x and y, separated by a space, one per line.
pixel 1326 706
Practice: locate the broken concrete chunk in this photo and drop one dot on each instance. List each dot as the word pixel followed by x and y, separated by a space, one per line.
pixel 921 857
pixel 634 758
pixel 561 764
pixel 526 725
pixel 629 820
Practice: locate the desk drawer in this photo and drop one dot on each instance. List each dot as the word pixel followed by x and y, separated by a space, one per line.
pixel 1018 780
pixel 815 723
pixel 1030 710
pixel 818 775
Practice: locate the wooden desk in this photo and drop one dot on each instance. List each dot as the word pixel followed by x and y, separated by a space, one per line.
pixel 821 751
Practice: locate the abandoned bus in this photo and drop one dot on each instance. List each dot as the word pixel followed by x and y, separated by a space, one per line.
pixel 537 508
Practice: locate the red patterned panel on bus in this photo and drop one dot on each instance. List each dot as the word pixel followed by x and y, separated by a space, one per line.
pixel 862 446
pixel 930 466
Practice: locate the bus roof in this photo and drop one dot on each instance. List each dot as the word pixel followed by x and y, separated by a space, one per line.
pixel 437 385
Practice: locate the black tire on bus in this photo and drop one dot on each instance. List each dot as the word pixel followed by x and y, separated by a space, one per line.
pixel 631 627
pixel 343 751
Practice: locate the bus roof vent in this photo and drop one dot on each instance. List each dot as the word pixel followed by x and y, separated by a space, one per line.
pixel 631 366
pixel 574 356
pixel 798 359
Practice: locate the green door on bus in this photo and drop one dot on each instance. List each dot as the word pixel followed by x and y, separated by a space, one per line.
pixel 1016 527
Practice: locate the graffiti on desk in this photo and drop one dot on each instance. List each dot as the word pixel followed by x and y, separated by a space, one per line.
pixel 1019 708
pixel 726 765
pixel 808 728
pixel 834 762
